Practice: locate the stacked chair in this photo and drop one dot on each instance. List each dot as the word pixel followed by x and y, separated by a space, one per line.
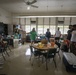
pixel 3 49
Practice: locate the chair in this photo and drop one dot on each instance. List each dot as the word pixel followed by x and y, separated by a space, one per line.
pixel 2 52
pixel 50 54
pixel 7 47
pixel 7 44
pixel 58 49
pixel 3 49
pixel 34 52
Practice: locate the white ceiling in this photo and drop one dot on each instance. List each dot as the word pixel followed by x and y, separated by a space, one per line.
pixel 46 7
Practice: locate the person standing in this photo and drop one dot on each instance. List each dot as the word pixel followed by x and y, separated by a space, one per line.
pixel 57 34
pixel 22 36
pixel 33 35
pixel 73 40
pixel 48 35
pixel 69 33
pixel 16 36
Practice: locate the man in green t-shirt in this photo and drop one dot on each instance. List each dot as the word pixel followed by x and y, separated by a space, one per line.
pixel 33 35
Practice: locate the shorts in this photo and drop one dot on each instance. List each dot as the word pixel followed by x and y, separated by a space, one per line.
pixel 57 38
pixel 32 40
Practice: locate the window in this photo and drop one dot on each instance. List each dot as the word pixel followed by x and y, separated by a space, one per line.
pixel 42 24
pixel 66 29
pixel 33 26
pixel 61 29
pixel 45 28
pixel 27 27
pixel 23 27
pixel 40 29
pixel 52 29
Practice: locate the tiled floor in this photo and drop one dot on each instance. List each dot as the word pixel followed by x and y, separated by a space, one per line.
pixel 18 64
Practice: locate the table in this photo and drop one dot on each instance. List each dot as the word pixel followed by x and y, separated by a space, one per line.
pixel 47 51
pixel 45 47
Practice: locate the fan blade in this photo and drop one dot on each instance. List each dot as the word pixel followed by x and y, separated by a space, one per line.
pixel 34 1
pixel 25 2
pixel 34 6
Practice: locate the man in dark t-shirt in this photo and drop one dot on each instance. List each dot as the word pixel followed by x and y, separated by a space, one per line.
pixel 48 35
pixel 69 32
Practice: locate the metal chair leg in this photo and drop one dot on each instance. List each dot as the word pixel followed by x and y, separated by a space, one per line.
pixel 59 55
pixel 46 65
pixel 33 61
pixel 55 63
pixel 39 60
pixel 3 56
pixel 42 59
pixel 7 53
pixel 9 49
pixel 30 57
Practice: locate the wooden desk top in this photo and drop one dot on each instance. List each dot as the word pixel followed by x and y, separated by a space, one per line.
pixel 44 47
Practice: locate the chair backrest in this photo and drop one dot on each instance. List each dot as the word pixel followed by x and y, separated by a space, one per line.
pixel 58 44
pixel 51 53
pixel 34 51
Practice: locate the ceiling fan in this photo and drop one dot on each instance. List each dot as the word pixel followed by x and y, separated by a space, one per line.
pixel 31 3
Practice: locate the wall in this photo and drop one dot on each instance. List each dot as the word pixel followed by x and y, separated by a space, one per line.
pixel 6 17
